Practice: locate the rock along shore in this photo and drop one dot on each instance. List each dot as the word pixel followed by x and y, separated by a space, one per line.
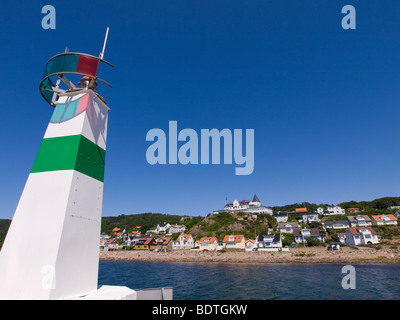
pixel 296 255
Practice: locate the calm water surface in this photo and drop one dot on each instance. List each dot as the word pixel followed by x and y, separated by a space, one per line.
pixel 209 281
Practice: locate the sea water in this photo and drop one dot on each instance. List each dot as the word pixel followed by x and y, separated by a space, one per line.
pixel 232 281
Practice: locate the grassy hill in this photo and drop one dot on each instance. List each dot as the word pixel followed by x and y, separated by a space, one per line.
pixel 225 223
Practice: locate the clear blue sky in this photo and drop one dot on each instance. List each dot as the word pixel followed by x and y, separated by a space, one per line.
pixel 324 102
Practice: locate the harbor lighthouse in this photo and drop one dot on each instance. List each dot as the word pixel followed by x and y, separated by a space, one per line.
pixel 63 194
pixel 62 197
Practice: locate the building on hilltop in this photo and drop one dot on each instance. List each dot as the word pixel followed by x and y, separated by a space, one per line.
pixel 246 206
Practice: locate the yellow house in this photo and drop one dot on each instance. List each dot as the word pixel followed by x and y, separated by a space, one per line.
pixel 207 243
pixel 234 241
pixel 162 243
pixel 143 244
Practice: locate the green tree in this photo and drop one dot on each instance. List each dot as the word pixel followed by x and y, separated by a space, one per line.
pixel 288 238
pixel 313 242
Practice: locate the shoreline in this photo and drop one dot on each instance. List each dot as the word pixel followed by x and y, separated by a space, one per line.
pixel 315 255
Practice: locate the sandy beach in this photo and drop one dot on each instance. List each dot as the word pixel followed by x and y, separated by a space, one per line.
pixel 295 255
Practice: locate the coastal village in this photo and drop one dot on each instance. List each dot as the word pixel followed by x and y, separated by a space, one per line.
pixel 330 227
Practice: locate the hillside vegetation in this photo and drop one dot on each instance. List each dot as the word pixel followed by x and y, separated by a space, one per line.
pixel 223 223
pixel 145 221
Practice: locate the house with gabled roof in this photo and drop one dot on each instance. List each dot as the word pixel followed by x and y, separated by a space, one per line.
pixel 249 245
pixel 176 228
pixel 269 242
pixel 162 227
pixel 143 243
pixel 161 244
pixel 301 235
pixel 309 217
pixel 109 244
pixel 330 211
pixel 384 220
pixel 341 237
pixel 356 236
pixel 183 242
pixel 246 206
pixel 234 241
pixel 281 217
pixel 207 243
pixel 287 227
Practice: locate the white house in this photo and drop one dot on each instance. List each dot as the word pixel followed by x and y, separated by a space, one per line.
pixel 384 220
pixel 110 244
pixel 234 241
pixel 132 238
pixel 301 235
pixel 269 242
pixel 309 217
pixel 281 217
pixel 356 236
pixel 183 242
pixel 330 211
pixel 175 228
pixel 341 237
pixel 247 206
pixel 250 245
pixel 287 227
pixel 359 221
pixel 340 224
pixel 207 243
pixel 336 210
pixel 162 227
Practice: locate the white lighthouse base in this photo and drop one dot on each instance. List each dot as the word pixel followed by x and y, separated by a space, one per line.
pixel 124 293
pixel 109 293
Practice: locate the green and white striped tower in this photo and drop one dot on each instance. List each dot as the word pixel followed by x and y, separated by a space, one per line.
pixel 52 247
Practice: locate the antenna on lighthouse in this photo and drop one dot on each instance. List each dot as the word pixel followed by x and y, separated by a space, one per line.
pixel 104 45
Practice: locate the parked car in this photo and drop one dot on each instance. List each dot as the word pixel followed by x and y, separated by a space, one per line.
pixel 334 246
